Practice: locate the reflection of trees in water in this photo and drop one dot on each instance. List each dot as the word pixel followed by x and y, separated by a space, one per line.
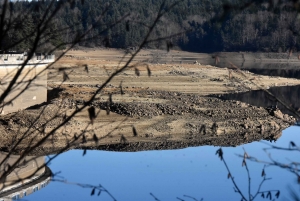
pixel 288 95
pixel 282 72
pixel 282 69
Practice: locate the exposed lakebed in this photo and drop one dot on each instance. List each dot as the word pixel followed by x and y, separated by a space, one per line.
pixel 169 110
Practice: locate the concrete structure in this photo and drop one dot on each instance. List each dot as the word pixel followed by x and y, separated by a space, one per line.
pixel 34 73
pixel 30 175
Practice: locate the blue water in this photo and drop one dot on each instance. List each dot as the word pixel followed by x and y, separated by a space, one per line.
pixel 195 172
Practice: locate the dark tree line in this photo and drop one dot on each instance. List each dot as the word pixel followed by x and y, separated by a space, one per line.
pixel 256 28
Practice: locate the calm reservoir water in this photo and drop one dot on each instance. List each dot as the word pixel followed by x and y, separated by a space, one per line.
pixel 170 175
pixel 289 96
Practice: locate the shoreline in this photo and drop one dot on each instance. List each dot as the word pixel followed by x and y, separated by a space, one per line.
pixel 168 110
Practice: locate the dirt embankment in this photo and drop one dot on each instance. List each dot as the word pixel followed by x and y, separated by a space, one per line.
pixel 164 111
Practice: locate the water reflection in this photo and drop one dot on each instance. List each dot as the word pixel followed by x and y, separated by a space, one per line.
pixel 282 69
pixel 289 95
pixel 29 176
pixel 172 174
pixel 289 73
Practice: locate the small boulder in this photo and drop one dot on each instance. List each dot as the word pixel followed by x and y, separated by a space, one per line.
pixel 277 113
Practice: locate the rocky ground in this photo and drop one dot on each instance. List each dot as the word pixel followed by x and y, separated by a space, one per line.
pixel 167 110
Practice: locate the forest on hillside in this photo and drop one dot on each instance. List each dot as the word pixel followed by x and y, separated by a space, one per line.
pixel 124 23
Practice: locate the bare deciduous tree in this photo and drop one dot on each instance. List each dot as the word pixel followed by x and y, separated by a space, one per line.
pixel 33 133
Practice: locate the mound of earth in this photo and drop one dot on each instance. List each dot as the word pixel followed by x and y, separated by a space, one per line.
pixel 179 121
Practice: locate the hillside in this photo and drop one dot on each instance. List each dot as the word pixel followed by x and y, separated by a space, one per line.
pixel 204 26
